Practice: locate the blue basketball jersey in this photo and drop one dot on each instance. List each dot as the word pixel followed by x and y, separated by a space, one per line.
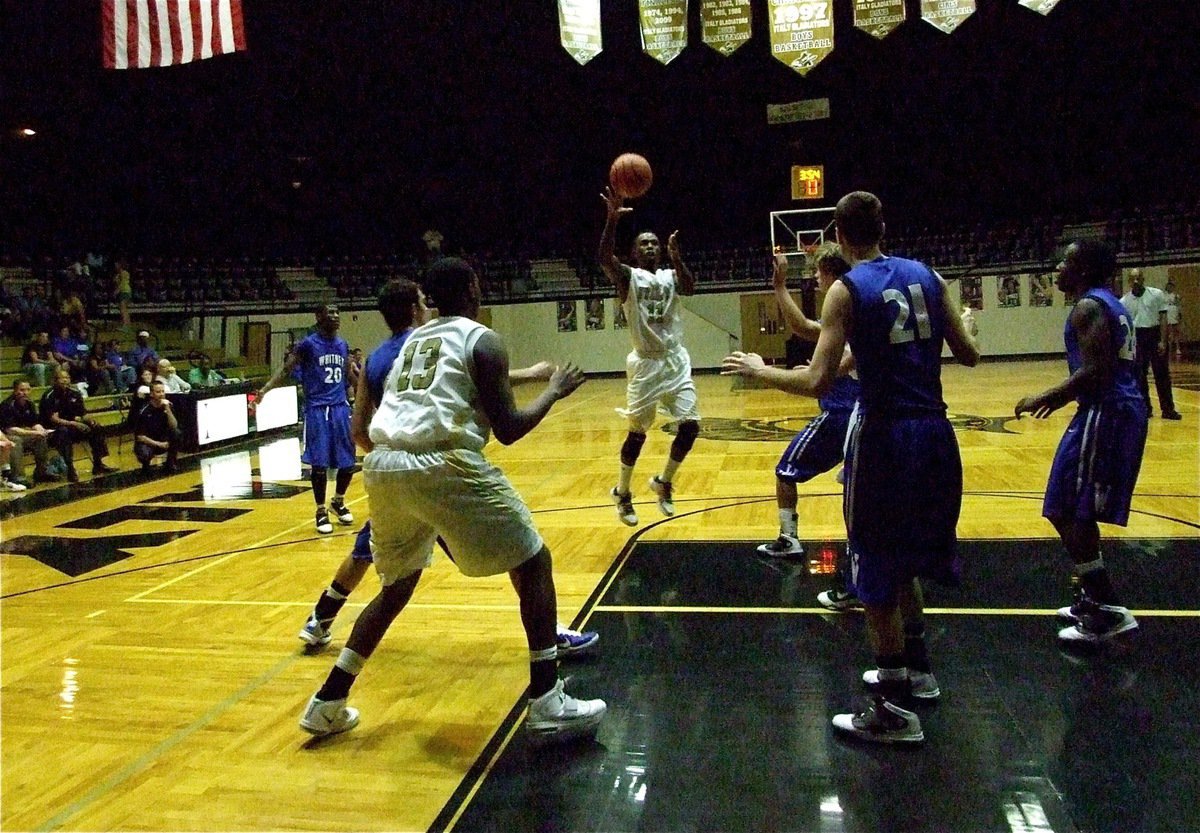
pixel 1123 386
pixel 896 341
pixel 842 396
pixel 322 364
pixel 380 362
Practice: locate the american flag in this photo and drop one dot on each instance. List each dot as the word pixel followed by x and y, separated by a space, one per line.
pixel 158 33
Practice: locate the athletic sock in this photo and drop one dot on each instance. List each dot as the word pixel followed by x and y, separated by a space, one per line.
pixel 330 604
pixel 916 657
pixel 1093 578
pixel 342 676
pixel 543 670
pixel 789 522
pixel 624 479
pixel 893 676
pixel 669 469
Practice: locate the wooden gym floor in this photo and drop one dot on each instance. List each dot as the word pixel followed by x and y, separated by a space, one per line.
pixel 151 678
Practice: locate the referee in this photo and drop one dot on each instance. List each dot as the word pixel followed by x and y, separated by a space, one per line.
pixel 1147 306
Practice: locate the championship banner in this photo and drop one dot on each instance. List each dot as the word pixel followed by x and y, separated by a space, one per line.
pixel 664 28
pixel 725 24
pixel 1040 6
pixel 579 29
pixel 801 32
pixel 879 17
pixel 809 109
pixel 946 15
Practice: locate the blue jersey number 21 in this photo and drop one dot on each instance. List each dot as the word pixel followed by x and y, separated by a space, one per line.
pixel 899 333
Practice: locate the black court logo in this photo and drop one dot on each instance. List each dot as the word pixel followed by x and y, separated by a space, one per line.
pixel 782 430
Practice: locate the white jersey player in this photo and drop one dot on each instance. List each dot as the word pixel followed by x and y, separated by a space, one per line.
pixel 658 369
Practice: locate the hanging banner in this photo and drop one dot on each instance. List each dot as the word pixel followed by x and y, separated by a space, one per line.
pixel 579 29
pixel 810 109
pixel 725 24
pixel 946 15
pixel 801 32
pixel 1040 6
pixel 664 28
pixel 879 17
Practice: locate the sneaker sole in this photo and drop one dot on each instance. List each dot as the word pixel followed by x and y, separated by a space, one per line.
pixel 324 731
pixel 1091 640
pixel 924 695
pixel 874 737
pixel 551 733
pixel 850 604
pixel 315 641
pixel 765 549
pixel 579 650
pixel 668 512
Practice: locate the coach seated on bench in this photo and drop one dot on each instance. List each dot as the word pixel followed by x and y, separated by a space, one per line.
pixel 155 429
pixel 64 412
pixel 20 422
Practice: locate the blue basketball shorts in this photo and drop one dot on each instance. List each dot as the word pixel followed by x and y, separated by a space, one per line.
pixel 1096 466
pixel 816 449
pixel 362 545
pixel 903 494
pixel 327 442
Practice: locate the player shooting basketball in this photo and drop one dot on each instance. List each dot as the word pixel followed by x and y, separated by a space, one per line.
pixel 659 369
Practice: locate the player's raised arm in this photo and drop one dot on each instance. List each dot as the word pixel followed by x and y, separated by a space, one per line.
pixel 685 280
pixel 817 378
pixel 510 423
pixel 616 271
pixel 800 324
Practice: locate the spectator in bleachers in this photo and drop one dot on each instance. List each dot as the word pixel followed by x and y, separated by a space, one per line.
pixel 101 377
pixel 20 421
pixel 38 361
pixel 123 290
pixel 142 352
pixel 167 375
pixel 125 373
pixel 203 374
pixel 70 352
pixel 32 309
pixel 73 310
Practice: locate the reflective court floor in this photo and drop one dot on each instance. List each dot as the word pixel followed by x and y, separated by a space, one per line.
pixel 151 677
pixel 722 674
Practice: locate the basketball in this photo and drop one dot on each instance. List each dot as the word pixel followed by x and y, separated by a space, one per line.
pixel 630 175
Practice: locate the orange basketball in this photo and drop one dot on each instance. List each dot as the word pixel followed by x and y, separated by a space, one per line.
pixel 630 175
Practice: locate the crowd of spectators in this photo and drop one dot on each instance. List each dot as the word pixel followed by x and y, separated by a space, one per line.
pixel 68 291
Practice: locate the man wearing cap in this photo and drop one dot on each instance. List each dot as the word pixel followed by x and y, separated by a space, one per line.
pixel 142 351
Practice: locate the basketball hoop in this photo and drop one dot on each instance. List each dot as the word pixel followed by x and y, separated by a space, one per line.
pixel 800 231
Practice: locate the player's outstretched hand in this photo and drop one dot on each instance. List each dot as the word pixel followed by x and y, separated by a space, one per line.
pixel 565 379
pixel 742 364
pixel 779 275
pixel 673 245
pixel 615 202
pixel 541 371
pixel 969 322
pixel 1034 405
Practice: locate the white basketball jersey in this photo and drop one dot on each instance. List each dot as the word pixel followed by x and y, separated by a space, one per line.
pixel 652 309
pixel 430 402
